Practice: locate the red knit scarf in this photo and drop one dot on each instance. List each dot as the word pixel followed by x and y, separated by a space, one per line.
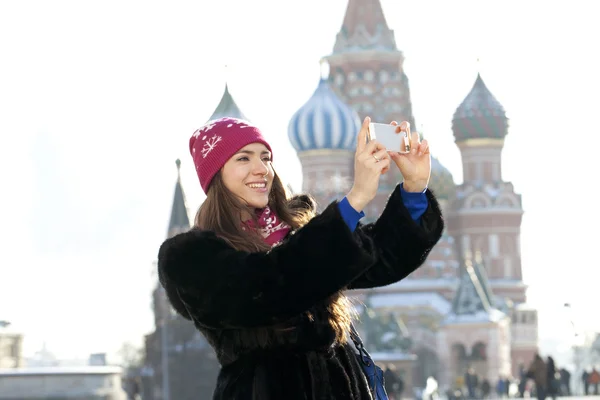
pixel 272 229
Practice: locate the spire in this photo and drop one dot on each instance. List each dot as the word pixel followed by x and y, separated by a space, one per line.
pixel 180 221
pixel 364 28
pixel 227 107
pixel 471 297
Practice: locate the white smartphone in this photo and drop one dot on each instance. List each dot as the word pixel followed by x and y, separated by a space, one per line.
pixel 387 136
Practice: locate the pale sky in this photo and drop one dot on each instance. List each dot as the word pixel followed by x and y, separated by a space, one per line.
pixel 98 99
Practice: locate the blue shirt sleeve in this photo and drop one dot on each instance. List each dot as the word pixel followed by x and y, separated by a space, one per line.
pixel 416 203
pixel 349 214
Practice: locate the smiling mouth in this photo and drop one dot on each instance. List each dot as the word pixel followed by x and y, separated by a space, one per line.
pixel 257 185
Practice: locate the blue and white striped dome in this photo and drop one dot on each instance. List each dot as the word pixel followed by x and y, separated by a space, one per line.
pixel 324 122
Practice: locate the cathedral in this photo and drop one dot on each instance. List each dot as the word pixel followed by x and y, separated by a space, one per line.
pixel 466 306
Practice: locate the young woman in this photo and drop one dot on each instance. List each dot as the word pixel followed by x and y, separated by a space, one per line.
pixel 262 276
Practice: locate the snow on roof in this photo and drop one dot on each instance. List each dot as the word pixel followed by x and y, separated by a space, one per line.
pixel 493 315
pixel 524 307
pixel 392 356
pixel 424 299
pixel 425 283
pixel 507 283
pixel 452 283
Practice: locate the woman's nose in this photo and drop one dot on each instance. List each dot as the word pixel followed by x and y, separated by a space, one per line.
pixel 260 168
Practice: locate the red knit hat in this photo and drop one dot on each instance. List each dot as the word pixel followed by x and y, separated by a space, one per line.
pixel 214 143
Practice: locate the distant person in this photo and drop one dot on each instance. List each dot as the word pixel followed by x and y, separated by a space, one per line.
pixel 394 385
pixel 565 379
pixel 431 389
pixel 262 276
pixel 539 373
pixel 500 387
pixel 586 383
pixel 594 381
pixel 553 381
pixel 486 388
pixel 522 380
pixel 472 383
pixel 507 383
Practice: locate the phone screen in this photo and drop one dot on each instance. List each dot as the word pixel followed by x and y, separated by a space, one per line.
pixel 387 136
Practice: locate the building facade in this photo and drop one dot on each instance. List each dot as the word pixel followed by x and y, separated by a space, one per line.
pixel 74 383
pixel 11 347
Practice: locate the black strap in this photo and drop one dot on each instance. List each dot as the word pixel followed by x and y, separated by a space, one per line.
pixel 355 336
pixel 364 354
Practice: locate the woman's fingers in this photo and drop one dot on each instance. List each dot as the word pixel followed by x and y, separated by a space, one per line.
pixel 372 147
pixel 415 140
pixel 403 126
pixel 423 148
pixel 377 157
pixel 362 136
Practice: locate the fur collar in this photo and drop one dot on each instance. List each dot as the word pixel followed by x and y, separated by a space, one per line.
pixel 303 201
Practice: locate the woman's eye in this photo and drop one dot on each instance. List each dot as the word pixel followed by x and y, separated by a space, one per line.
pixel 243 159
pixel 267 159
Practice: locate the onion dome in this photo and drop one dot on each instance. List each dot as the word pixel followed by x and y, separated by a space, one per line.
pixel 441 181
pixel 227 107
pixel 480 115
pixel 324 122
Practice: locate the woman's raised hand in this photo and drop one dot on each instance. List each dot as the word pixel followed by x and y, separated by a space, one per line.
pixel 370 162
pixel 416 165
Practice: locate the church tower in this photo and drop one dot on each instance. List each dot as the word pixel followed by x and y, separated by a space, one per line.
pixel 179 223
pixel 486 213
pixel 366 67
pixel 366 71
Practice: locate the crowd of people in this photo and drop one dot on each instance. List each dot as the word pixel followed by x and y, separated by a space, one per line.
pixel 541 379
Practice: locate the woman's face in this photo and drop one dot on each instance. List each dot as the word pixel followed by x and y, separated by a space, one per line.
pixel 249 174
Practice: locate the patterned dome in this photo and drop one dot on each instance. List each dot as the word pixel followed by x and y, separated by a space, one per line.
pixel 324 122
pixel 441 181
pixel 480 115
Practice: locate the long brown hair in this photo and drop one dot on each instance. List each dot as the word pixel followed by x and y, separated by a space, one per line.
pixel 221 213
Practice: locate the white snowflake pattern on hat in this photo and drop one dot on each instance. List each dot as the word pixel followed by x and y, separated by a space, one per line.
pixel 209 145
pixel 211 142
pixel 205 128
pixel 240 122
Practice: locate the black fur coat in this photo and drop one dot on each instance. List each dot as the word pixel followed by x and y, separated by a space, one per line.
pixel 252 307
